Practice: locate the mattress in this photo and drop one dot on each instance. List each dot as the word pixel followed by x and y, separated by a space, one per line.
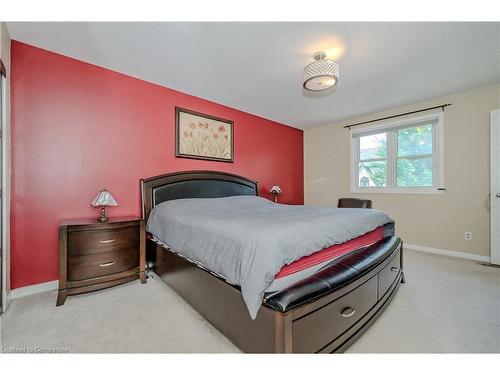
pixel 309 265
pixel 248 239
pixel 306 266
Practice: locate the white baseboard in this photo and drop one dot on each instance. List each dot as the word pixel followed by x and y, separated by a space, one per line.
pixel 449 253
pixel 34 289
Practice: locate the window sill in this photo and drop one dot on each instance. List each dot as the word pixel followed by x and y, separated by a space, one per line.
pixel 414 191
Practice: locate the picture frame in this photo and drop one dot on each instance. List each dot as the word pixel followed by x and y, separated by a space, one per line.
pixel 204 137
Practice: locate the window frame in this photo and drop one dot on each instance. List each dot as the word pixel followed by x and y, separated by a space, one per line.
pixel 392 156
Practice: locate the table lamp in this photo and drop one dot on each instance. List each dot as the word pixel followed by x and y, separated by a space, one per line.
pixel 276 190
pixel 103 199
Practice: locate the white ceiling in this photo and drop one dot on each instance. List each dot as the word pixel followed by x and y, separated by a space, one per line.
pixel 257 67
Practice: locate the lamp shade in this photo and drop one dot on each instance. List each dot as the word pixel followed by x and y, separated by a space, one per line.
pixel 104 198
pixel 321 74
pixel 275 190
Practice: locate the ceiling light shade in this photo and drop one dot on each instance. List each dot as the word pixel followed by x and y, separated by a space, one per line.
pixel 321 74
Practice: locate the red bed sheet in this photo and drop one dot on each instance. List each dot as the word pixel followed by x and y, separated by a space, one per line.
pixel 332 252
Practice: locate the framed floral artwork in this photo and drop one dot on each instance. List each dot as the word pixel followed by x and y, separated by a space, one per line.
pixel 200 136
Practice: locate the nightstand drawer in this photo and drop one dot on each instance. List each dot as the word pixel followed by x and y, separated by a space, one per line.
pixel 87 242
pixel 102 264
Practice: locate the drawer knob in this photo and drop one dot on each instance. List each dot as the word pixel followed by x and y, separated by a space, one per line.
pixel 108 241
pixel 347 311
pixel 394 269
pixel 106 264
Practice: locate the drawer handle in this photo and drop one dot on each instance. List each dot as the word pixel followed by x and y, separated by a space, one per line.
pixel 107 241
pixel 107 264
pixel 348 311
pixel 394 269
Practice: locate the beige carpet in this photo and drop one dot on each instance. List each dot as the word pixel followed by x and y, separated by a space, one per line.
pixel 447 305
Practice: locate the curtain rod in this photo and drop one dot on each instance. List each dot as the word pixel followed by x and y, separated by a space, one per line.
pixel 443 106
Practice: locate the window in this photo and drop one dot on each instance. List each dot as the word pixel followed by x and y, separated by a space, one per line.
pixel 398 157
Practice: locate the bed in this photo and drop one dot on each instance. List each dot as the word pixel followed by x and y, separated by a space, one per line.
pixel 324 311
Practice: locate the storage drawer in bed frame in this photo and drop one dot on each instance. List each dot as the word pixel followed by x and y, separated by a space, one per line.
pixel 310 331
pixel 324 329
pixel 390 272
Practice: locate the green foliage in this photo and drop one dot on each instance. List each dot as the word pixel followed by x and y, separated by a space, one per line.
pixel 415 171
pixel 377 171
pixel 410 171
pixel 414 141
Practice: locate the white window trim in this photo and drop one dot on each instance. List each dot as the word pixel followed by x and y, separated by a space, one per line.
pixel 438 158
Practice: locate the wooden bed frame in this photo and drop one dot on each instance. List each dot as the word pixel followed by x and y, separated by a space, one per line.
pixel 319 325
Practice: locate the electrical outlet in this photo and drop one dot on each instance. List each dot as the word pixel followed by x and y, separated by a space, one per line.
pixel 468 236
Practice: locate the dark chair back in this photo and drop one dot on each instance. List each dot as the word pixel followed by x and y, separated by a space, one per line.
pixel 354 203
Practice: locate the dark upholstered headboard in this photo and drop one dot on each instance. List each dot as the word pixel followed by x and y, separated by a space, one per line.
pixel 193 184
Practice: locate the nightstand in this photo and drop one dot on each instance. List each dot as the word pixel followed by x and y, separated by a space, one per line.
pixel 94 255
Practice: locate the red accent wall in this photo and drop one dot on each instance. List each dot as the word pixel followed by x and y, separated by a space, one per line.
pixel 77 128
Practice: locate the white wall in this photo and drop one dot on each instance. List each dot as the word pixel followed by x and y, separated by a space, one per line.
pixel 437 221
pixel 5 56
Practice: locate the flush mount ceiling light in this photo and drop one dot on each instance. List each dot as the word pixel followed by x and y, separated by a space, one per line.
pixel 321 74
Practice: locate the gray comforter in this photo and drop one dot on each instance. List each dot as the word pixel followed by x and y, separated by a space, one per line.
pixel 248 239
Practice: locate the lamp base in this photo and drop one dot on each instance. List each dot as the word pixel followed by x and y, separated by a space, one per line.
pixel 102 217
